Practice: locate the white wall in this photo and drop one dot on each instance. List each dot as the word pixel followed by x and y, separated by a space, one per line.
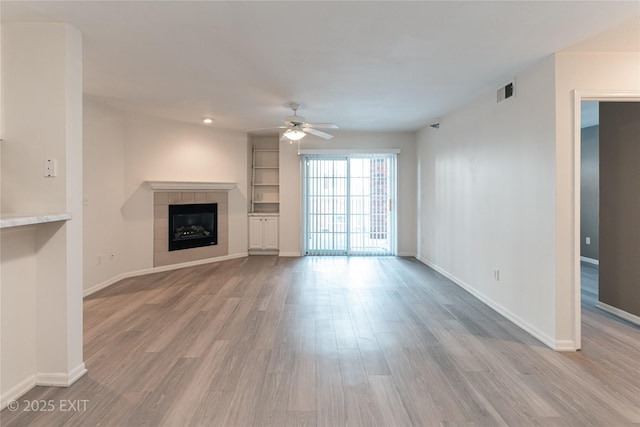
pixel 290 183
pixel 104 225
pixel 290 225
pixel 18 313
pixel 42 85
pixel 586 71
pixel 123 150
pixel 34 117
pixel 487 199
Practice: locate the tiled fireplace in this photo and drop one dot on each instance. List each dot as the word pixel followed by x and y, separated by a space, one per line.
pixel 215 248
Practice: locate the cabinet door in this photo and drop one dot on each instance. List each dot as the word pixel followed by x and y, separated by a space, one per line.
pixel 255 232
pixel 270 233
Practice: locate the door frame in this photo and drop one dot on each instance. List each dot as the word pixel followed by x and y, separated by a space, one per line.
pixel 346 152
pixel 578 97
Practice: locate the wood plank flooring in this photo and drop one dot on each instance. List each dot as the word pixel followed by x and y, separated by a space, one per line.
pixel 323 341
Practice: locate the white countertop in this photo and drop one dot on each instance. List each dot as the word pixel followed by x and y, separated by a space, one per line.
pixel 8 220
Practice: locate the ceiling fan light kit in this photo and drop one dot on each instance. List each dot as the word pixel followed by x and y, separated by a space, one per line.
pixel 295 134
pixel 297 128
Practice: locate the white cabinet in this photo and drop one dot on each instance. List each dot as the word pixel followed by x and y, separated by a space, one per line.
pixel 263 233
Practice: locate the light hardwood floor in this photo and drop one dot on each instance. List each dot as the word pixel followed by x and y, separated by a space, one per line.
pixel 331 342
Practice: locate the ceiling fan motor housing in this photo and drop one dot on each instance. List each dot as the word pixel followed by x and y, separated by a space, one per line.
pixel 294 120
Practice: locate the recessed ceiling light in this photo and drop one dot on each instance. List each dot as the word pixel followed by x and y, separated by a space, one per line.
pixel 207 120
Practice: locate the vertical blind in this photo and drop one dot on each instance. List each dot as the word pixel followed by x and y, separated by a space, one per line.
pixel 350 204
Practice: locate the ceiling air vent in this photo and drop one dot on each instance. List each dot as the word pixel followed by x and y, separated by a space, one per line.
pixel 506 92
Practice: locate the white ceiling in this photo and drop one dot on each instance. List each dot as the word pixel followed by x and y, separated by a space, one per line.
pixel 362 65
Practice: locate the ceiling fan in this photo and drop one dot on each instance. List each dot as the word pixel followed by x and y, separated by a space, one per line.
pixel 297 128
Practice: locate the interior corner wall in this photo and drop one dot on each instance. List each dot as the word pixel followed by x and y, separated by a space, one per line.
pixel 589 192
pixel 487 200
pixel 103 181
pixel 290 183
pixel 587 71
pixel 146 148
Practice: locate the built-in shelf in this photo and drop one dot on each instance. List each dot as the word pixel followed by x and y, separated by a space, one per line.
pixel 190 186
pixel 265 175
pixel 8 220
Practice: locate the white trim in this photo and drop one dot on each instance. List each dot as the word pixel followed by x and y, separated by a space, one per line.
pixel 565 345
pixel 160 269
pixel 632 318
pixel 56 379
pixel 190 186
pixel 289 254
pixel 532 330
pixel 589 260
pixel 408 254
pixel 253 252
pixel 580 95
pixel 349 151
pixel 60 379
pixel 18 390
pixel 76 373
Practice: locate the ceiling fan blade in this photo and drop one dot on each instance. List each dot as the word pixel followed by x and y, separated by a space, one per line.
pixel 318 133
pixel 321 125
pixel 270 128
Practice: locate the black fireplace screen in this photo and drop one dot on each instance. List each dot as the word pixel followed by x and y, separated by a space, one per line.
pixel 193 226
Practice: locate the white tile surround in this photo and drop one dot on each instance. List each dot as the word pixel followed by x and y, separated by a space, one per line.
pixel 161 202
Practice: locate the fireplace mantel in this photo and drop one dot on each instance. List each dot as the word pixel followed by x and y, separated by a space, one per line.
pixel 190 186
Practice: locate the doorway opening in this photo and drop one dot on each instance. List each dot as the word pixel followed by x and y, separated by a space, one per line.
pixel 591 279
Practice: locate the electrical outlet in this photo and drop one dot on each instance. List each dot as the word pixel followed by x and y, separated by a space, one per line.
pixel 99 259
pixel 588 240
pixel 50 168
pixel 112 256
pixel 496 275
pixel 85 200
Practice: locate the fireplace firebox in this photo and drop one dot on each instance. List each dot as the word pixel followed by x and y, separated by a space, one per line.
pixel 193 226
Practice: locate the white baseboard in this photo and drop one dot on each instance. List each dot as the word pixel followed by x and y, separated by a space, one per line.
pixel 590 260
pixel 60 379
pixel 632 318
pixel 264 252
pixel 558 345
pixel 16 391
pixel 565 345
pixel 290 254
pixel 409 254
pixel 56 379
pixel 160 269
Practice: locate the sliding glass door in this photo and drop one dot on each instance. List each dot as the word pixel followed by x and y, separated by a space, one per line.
pixel 350 204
